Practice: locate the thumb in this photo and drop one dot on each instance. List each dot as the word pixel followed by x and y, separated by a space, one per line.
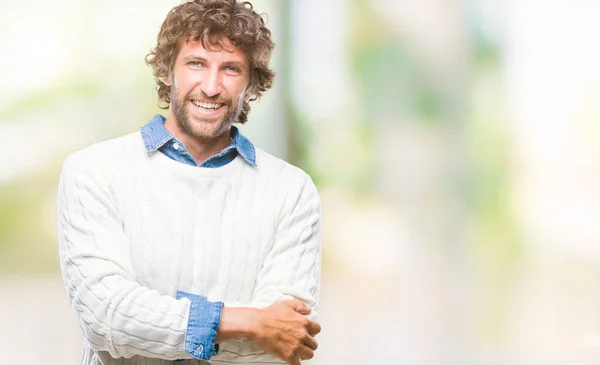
pixel 298 306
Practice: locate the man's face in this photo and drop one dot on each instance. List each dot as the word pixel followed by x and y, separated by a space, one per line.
pixel 208 89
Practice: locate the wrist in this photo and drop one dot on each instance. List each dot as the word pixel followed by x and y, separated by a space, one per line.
pixel 254 324
pixel 238 323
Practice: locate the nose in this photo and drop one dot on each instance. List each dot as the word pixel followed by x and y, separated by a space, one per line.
pixel 211 85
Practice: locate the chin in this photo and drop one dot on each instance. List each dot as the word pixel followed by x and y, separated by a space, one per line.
pixel 210 132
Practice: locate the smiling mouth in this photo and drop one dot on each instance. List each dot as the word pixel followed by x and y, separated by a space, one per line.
pixel 207 106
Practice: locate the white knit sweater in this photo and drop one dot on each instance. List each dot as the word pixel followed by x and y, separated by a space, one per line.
pixel 134 228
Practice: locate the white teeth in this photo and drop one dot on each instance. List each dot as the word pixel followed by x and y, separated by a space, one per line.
pixel 206 105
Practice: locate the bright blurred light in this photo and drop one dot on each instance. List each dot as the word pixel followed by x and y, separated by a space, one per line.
pixel 37 59
pixel 591 339
pixel 551 74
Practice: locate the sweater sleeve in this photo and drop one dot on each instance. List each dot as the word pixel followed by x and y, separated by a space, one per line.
pixel 292 268
pixel 114 312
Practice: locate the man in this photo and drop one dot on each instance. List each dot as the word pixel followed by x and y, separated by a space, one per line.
pixel 183 242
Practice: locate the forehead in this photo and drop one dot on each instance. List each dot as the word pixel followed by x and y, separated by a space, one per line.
pixel 222 50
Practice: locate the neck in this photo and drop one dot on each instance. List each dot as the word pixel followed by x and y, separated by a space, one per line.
pixel 200 148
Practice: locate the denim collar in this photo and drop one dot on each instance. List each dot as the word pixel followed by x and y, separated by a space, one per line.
pixel 155 135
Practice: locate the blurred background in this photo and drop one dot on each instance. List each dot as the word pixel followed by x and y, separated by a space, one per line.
pixel 455 144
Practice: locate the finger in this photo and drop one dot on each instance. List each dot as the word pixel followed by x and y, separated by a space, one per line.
pixel 294 360
pixel 304 353
pixel 304 310
pixel 297 305
pixel 313 328
pixel 310 342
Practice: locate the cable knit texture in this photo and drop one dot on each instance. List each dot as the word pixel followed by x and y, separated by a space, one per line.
pixel 134 228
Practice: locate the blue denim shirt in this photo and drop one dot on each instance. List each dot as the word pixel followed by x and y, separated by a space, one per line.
pixel 157 137
pixel 205 316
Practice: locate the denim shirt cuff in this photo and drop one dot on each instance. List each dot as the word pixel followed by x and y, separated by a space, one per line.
pixel 203 323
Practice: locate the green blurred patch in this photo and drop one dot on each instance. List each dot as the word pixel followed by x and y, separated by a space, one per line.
pixel 46 98
pixel 27 242
pixel 392 80
pixel 495 250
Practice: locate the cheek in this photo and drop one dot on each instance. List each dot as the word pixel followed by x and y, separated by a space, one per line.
pixel 236 89
pixel 186 81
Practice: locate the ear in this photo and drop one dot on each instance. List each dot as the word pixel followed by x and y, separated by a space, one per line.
pixel 167 80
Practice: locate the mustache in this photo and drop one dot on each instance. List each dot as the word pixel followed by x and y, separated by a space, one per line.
pixel 202 97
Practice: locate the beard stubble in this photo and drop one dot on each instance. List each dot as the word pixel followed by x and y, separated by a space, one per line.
pixel 192 126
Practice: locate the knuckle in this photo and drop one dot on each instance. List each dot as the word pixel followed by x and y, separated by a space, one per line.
pixel 289 354
pixel 297 346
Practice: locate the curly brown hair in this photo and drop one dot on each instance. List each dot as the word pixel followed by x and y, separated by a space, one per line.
pixel 208 21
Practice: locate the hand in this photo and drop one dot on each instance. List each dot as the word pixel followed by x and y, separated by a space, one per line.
pixel 284 332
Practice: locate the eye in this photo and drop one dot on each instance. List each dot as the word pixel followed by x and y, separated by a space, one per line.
pixel 233 69
pixel 195 64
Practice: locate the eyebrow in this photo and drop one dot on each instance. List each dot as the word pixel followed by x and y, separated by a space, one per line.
pixel 193 58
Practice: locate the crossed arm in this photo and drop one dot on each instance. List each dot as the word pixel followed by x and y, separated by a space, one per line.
pixel 118 315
